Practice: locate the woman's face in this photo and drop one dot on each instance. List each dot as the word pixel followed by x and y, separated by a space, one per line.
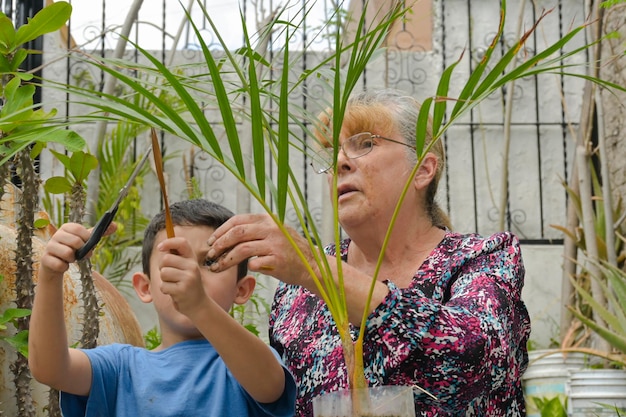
pixel 368 187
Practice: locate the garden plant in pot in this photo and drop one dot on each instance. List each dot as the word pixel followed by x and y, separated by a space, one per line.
pixel 246 85
pixel 603 391
pixel 598 327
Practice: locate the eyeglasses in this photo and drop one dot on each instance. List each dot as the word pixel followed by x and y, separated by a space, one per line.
pixel 354 147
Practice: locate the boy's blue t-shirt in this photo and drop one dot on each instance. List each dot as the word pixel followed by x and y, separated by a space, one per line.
pixel 188 379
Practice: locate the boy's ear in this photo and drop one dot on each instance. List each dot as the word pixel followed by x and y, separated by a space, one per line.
pixel 141 284
pixel 245 288
pixel 426 172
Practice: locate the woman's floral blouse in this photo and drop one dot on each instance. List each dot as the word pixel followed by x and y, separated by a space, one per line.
pixel 459 331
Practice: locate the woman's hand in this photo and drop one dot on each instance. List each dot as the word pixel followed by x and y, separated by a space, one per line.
pixel 258 238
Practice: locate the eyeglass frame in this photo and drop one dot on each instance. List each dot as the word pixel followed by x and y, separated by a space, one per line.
pixel 351 138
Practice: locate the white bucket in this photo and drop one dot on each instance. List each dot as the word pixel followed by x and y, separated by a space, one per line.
pixel 547 375
pixel 597 393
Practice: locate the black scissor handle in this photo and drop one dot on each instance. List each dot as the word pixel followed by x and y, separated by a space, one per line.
pixel 96 234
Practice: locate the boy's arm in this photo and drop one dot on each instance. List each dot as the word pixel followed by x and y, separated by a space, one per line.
pixel 50 359
pixel 247 357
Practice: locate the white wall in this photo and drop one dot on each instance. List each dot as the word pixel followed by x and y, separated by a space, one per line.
pixel 542 291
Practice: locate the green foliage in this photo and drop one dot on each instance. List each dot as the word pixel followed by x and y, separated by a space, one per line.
pixel 610 3
pixel 193 189
pixel 116 165
pixel 117 161
pixel 48 20
pixel 611 279
pixel 550 407
pixel 152 338
pixel 21 123
pixel 77 168
pixel 9 316
pixel 255 311
pixel 613 284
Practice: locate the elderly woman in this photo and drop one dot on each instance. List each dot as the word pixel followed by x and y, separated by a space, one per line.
pixel 446 314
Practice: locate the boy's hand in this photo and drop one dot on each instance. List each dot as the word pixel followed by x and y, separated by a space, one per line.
pixel 181 277
pixel 61 249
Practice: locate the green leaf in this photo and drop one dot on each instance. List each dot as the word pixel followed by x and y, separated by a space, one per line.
pixel 69 139
pixel 252 329
pixel 7 35
pixel 11 314
pixel 5 65
pixel 256 112
pixel 598 308
pixel 81 164
pixel 61 157
pixel 439 111
pixel 18 97
pixel 282 184
pixel 19 57
pixel 57 185
pixel 43 134
pixel 421 129
pixel 614 332
pixel 47 20
pixel 41 223
pixel 223 100
pixel 476 74
pixel 550 407
pixel 19 342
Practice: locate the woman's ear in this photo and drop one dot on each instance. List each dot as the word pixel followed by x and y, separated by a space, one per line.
pixel 141 284
pixel 427 171
pixel 245 288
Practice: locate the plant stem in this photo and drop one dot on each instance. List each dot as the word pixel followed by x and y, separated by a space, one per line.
pixel 24 286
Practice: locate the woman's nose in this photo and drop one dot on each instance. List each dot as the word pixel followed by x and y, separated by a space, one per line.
pixel 343 161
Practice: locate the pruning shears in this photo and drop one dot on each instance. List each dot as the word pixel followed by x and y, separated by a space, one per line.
pixel 107 217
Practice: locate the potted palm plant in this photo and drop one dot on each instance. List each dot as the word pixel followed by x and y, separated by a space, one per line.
pixel 247 85
pixel 600 286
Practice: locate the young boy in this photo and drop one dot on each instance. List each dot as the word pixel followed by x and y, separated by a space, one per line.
pixel 207 364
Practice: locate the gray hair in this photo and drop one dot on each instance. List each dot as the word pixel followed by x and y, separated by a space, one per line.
pixel 403 109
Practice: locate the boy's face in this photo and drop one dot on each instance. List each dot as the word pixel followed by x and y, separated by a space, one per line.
pixel 222 287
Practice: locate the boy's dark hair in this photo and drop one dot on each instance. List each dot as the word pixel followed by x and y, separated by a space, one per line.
pixel 197 212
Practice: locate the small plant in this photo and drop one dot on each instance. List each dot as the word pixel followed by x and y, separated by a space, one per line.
pixel 152 338
pixel 254 311
pixel 19 341
pixel 551 407
pixel 613 283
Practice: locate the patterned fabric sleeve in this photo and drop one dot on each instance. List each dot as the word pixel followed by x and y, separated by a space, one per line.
pixel 460 330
